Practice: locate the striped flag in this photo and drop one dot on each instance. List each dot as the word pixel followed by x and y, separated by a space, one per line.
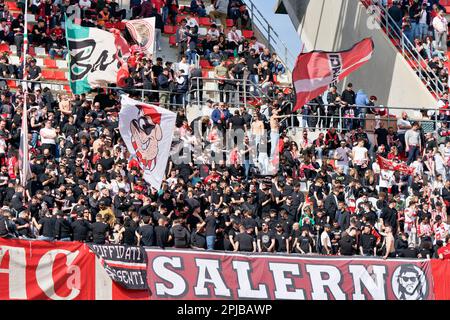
pixel 315 71
pixel 24 158
pixel 24 162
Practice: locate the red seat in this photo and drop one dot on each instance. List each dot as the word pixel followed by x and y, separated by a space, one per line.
pixel 275 78
pixel 60 75
pixel 206 22
pixel 205 74
pixel 205 63
pixel 170 29
pixel 67 87
pixel 173 41
pixel 180 17
pixel 230 23
pixel 247 33
pixel 48 74
pixel 12 6
pixel 50 63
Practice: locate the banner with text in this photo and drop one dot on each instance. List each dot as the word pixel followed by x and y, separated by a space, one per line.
pixel 126 265
pixel 187 274
pixel 45 270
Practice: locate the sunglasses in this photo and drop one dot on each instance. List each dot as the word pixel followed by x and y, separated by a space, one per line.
pixel 409 279
pixel 145 126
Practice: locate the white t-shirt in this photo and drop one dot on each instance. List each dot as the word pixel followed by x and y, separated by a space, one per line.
pixel 325 239
pixel 401 122
pixel 85 4
pixel 48 132
pixel 184 67
pixel 439 163
pixel 423 17
pixel 359 154
pixel 386 179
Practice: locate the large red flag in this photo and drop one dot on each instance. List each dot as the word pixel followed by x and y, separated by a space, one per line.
pixel 315 71
pixel 402 167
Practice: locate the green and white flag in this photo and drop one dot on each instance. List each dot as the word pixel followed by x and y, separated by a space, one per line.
pixel 95 57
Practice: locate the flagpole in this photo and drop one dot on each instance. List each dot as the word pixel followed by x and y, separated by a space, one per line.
pixel 24 168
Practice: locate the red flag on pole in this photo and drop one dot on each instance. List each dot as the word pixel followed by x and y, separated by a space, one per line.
pixel 402 167
pixel 315 71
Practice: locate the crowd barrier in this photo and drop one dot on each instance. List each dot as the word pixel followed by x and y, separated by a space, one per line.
pixel 78 271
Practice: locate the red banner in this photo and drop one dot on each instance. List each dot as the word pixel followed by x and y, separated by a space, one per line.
pixel 185 274
pixel 70 271
pixel 315 71
pixel 402 167
pixel 41 270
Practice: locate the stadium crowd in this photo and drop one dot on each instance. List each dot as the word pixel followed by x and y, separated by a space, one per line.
pixel 266 192
pixel 424 23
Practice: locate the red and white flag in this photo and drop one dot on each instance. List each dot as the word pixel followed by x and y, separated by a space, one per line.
pixel 143 32
pixel 147 131
pixel 24 160
pixel 315 71
pixel 402 167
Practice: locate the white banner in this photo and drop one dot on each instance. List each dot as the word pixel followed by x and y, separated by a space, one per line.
pixel 147 131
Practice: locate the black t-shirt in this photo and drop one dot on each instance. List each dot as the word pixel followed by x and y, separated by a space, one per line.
pixel 107 163
pixel 368 242
pixel 280 242
pixel 245 241
pixel 62 229
pixel 161 236
pixel 80 229
pixel 265 73
pixel 33 72
pixel 24 231
pixel 249 223
pixel 346 244
pixel 48 226
pixel 129 236
pixel 237 122
pixel 211 223
pixel 147 233
pixel 382 134
pixel 390 217
pixel 266 239
pixel 304 243
pixel 191 222
pixel 99 230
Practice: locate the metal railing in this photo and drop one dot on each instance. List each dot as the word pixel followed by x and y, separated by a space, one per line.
pixel 245 91
pixel 243 95
pixel 272 37
pixel 341 121
pixel 409 52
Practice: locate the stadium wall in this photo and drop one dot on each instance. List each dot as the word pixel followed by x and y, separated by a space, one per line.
pixel 337 25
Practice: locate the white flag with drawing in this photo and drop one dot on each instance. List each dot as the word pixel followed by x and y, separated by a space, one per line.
pixel 147 131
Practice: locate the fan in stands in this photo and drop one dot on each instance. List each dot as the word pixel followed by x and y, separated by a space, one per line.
pixel 319 187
